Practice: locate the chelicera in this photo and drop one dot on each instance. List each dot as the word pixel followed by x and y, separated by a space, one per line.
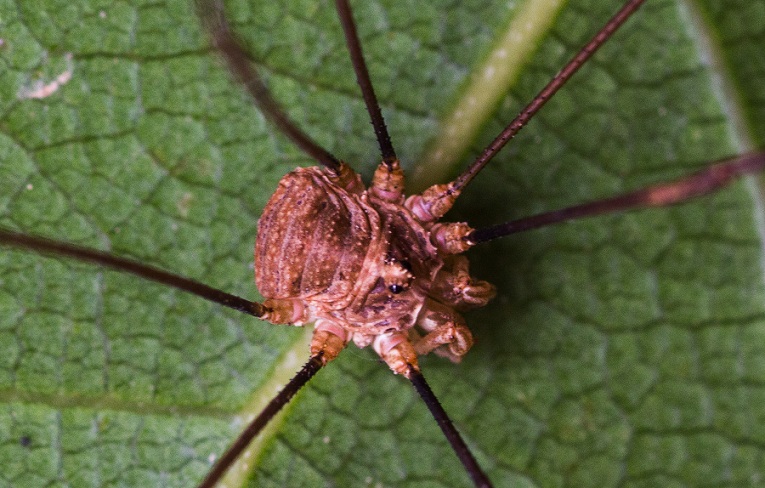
pixel 369 265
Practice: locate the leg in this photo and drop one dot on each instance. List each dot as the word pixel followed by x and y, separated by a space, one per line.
pixel 328 339
pixel 397 352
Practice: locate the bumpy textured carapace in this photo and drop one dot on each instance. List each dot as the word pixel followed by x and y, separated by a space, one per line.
pixel 367 265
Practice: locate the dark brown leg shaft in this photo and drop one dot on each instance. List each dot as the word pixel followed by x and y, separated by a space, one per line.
pixel 701 183
pixel 56 248
pixel 447 427
pixel 280 400
pixel 547 92
pixel 214 20
pixel 362 76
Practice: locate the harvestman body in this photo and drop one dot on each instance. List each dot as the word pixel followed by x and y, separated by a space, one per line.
pixel 370 265
pixel 364 265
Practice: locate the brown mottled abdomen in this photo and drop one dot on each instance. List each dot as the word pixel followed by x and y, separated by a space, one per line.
pixel 312 239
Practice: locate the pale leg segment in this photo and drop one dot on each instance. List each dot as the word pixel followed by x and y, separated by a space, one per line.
pixel 395 349
pixel 328 339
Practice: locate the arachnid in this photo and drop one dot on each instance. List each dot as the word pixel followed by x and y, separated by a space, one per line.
pixel 625 335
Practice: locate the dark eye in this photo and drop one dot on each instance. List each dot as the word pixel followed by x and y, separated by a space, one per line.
pixel 396 289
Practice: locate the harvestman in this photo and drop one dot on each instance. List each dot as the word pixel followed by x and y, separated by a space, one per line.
pixel 387 272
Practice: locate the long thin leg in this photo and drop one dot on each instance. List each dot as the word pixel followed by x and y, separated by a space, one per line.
pixel 362 77
pixel 438 199
pixel 56 248
pixel 701 183
pixel 547 92
pixel 398 353
pixel 214 20
pixel 280 400
pixel 447 427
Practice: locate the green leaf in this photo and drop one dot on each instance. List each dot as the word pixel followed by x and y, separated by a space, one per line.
pixel 623 350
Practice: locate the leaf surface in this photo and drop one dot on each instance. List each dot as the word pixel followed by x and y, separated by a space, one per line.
pixel 624 350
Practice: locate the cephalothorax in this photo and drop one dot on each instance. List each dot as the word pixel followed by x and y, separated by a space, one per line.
pixel 366 265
